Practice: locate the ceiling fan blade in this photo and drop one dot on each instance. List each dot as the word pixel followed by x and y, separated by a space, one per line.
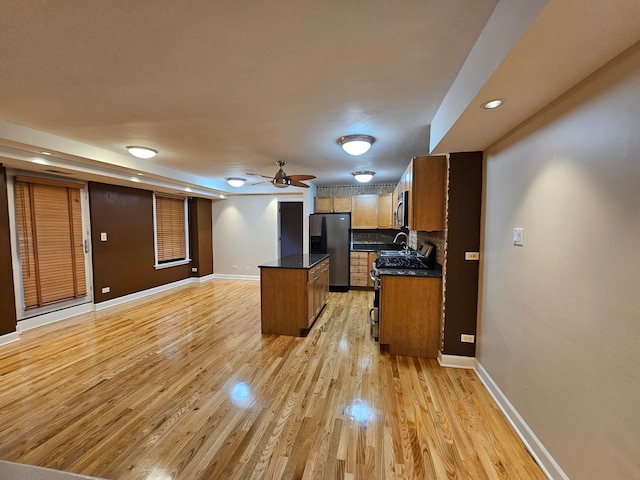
pixel 297 183
pixel 301 177
pixel 258 175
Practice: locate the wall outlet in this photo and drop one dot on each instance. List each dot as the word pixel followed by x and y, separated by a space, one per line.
pixel 472 255
pixel 194 269
pixel 106 289
pixel 467 338
pixel 518 236
pixel 103 236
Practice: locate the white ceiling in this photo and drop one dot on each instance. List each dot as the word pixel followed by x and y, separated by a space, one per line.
pixel 222 88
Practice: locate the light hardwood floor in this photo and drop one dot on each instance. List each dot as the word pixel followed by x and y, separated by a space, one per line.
pixel 184 386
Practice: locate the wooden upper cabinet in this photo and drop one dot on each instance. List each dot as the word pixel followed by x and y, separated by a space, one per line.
pixel 341 203
pixel 324 204
pixel 427 193
pixel 385 210
pixel 364 211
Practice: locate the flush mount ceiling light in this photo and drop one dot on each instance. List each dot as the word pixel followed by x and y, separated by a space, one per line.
pixel 363 177
pixel 141 152
pixel 356 144
pixel 235 181
pixel 491 104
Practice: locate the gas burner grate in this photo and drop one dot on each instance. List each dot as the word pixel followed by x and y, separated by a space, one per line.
pixel 399 262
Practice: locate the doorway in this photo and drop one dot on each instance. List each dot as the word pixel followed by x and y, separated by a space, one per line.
pixel 49 222
pixel 291 231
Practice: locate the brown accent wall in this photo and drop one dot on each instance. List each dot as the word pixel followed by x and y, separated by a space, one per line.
pixel 201 236
pixel 465 202
pixel 8 319
pixel 124 263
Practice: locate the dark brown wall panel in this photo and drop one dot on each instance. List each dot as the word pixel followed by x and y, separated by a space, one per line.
pixel 201 235
pixel 124 263
pixel 465 200
pixel 8 320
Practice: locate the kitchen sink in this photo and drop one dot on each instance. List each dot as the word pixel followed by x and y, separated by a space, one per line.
pixel 394 253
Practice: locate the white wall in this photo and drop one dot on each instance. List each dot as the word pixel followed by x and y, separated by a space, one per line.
pixel 245 232
pixel 559 319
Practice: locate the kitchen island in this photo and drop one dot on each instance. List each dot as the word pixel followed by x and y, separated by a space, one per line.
pixel 293 292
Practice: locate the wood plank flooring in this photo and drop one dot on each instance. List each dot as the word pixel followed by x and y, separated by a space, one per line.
pixel 184 386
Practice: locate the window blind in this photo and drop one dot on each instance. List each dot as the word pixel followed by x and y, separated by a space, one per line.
pixel 170 229
pixel 50 241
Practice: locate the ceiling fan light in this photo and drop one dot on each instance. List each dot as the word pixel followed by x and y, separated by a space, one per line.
pixel 363 177
pixel 356 144
pixel 235 181
pixel 141 152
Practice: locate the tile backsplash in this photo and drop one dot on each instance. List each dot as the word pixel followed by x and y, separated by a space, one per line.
pixel 373 236
pixel 437 238
pixel 376 188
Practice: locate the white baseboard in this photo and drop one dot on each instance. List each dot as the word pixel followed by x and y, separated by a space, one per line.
pixel 456 361
pixel 52 317
pixel 236 277
pixel 206 278
pixel 535 447
pixel 9 338
pixel 142 294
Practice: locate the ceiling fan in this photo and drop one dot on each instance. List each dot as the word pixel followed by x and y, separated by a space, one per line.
pixel 282 180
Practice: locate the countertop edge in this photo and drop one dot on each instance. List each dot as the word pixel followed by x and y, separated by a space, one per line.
pixel 303 261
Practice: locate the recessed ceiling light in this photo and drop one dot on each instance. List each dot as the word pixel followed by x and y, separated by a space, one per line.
pixel 45 153
pixel 356 144
pixel 141 152
pixel 363 177
pixel 40 161
pixel 235 181
pixel 491 104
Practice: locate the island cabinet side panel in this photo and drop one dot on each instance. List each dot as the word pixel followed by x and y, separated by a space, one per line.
pixel 410 315
pixel 283 299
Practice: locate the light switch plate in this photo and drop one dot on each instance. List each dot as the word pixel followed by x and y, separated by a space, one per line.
pixel 103 236
pixel 467 338
pixel 518 236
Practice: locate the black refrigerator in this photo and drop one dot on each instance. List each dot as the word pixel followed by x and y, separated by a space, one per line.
pixel 330 233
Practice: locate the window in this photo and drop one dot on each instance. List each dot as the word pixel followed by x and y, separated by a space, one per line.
pixel 171 230
pixel 50 241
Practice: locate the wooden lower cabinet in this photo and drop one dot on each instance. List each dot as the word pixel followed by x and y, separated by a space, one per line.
pixel 292 298
pixel 410 311
pixel 317 290
pixel 360 266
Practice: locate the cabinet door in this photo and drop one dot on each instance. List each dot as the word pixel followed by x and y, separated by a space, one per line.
pixel 428 192
pixel 323 204
pixel 385 210
pixel 342 203
pixel 364 211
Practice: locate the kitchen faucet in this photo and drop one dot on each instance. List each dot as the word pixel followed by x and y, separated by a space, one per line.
pixel 404 244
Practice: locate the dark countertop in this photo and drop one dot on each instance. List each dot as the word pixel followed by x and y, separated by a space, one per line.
pixel 374 247
pixel 296 261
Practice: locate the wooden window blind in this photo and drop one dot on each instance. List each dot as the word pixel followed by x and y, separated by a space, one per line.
pixel 50 241
pixel 171 235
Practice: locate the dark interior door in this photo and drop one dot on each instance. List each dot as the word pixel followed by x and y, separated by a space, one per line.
pixel 290 228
